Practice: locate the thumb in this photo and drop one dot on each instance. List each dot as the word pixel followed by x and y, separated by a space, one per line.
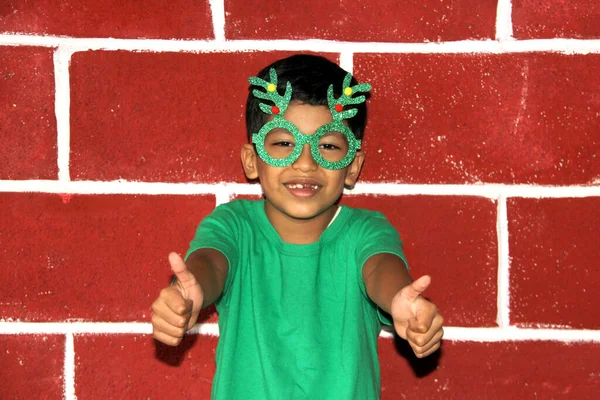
pixel 188 286
pixel 180 269
pixel 415 289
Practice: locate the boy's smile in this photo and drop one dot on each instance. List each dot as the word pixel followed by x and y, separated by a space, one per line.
pixel 303 192
pixel 303 188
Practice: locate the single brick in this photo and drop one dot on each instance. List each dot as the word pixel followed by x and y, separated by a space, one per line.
pixel 91 257
pixel 175 117
pixel 505 370
pixel 470 118
pixel 32 366
pixel 534 19
pixel 180 19
pixel 452 239
pixel 28 127
pixel 554 269
pixel 136 366
pixel 361 20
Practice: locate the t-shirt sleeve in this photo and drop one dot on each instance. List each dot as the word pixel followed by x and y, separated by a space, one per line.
pixel 218 231
pixel 378 236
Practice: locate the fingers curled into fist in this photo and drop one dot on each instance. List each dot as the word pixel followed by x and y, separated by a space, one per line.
pixel 423 340
pixel 171 314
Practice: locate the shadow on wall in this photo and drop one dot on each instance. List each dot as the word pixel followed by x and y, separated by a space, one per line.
pixel 420 366
pixel 174 355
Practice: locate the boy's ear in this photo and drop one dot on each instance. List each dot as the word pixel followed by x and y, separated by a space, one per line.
pixel 248 156
pixel 354 169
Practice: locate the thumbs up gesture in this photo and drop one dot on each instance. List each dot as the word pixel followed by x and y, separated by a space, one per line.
pixel 177 307
pixel 416 319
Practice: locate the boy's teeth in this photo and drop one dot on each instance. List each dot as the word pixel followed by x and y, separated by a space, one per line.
pixel 301 186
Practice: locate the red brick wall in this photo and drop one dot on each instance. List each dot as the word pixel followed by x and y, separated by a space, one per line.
pixel 120 128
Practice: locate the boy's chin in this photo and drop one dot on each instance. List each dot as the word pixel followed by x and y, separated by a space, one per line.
pixel 307 214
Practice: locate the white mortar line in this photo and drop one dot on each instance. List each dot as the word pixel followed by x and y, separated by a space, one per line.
pixel 125 187
pixel 491 191
pixel 217 11
pixel 74 328
pixel 69 367
pixel 503 315
pixel 62 103
pixel 568 46
pixel 504 26
pixel 223 195
pixel 517 334
pixel 538 192
pixel 212 329
pixel 347 61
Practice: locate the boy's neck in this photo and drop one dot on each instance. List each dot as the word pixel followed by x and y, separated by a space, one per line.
pixel 299 231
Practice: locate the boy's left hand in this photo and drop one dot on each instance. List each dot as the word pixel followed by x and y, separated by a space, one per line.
pixel 416 319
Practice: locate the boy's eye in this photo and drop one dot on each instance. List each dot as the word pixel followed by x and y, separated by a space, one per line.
pixel 283 143
pixel 333 146
pixel 328 146
pixel 333 141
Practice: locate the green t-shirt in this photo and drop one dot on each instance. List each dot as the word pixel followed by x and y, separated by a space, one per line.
pixel 295 321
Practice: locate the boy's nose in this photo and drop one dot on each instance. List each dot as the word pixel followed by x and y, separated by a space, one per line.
pixel 305 162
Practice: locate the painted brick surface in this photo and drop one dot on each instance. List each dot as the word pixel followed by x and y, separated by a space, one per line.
pixel 534 19
pixel 32 366
pixel 171 117
pixel 453 239
pixel 138 367
pixel 27 121
pixel 182 19
pixel 96 258
pixel 482 118
pixel 362 20
pixel 555 267
pixel 510 370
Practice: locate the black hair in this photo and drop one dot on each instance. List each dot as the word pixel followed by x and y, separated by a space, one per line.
pixel 310 76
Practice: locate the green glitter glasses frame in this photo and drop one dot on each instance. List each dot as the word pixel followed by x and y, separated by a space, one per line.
pixel 281 103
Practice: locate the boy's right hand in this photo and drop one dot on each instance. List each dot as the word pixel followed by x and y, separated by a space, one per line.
pixel 177 307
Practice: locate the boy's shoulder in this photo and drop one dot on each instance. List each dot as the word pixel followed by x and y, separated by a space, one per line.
pixel 366 221
pixel 363 214
pixel 237 211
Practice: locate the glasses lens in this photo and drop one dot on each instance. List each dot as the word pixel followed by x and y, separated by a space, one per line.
pixel 279 143
pixel 333 146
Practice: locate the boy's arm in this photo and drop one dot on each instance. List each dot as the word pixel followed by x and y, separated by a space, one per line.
pixel 390 286
pixel 199 282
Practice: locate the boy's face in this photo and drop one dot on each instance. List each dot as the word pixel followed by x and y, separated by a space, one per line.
pixel 302 190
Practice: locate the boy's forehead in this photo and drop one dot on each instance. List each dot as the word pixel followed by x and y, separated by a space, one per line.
pixel 308 118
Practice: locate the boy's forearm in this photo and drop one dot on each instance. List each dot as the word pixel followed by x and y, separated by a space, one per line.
pixel 210 268
pixel 384 275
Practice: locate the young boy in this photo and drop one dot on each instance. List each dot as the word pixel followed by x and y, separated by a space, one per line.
pixel 301 284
